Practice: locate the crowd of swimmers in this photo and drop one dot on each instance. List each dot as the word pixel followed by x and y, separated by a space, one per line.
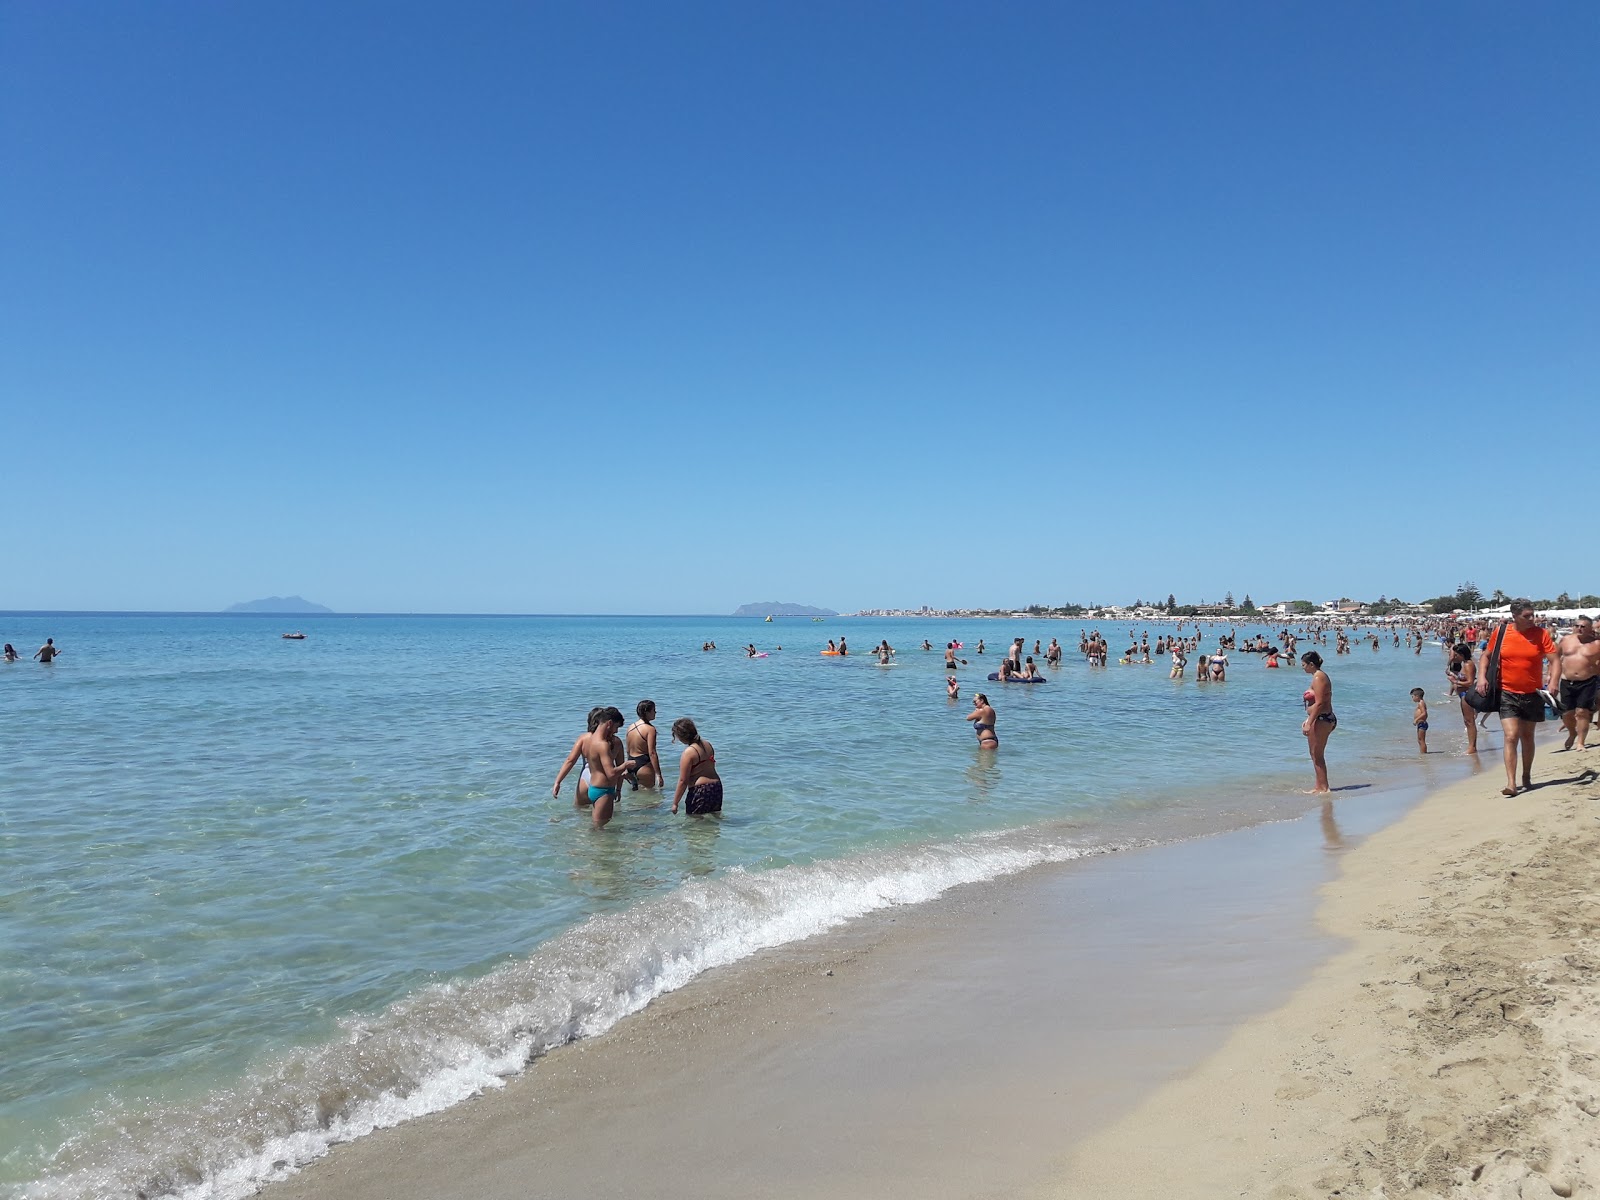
pixel 1536 672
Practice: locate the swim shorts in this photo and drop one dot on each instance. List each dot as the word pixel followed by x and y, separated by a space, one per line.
pixel 1579 693
pixel 1523 706
pixel 705 796
pixel 1422 727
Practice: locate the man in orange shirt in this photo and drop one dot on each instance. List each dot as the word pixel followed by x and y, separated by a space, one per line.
pixel 1523 651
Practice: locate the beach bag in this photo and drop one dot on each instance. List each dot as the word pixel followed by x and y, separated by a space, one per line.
pixel 1488 700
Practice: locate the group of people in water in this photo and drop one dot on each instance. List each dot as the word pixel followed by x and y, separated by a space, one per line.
pixel 45 653
pixel 1519 649
pixel 610 759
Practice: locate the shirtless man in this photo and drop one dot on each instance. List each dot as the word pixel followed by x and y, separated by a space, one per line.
pixel 1580 680
pixel 600 750
pixel 47 652
pixel 603 724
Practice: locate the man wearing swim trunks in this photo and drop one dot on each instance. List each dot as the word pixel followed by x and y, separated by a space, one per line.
pixel 1580 680
pixel 1524 647
pixel 605 773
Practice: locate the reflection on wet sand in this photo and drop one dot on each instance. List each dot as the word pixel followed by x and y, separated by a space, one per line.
pixel 1332 839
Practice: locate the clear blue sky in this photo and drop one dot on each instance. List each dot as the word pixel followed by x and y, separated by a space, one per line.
pixel 600 307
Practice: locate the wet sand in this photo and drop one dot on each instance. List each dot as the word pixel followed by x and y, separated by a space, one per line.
pixel 954 1049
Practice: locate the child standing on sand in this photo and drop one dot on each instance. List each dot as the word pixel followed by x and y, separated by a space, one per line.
pixel 1419 718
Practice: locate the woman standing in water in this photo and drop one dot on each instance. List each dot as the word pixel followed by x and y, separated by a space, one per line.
pixel 644 766
pixel 697 772
pixel 1463 676
pixel 982 718
pixel 1320 721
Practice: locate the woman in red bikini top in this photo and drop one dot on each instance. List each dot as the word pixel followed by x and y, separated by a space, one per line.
pixel 697 772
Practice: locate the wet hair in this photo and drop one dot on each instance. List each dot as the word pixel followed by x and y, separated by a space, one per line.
pixel 595 715
pixel 1312 657
pixel 1464 650
pixel 979 698
pixel 610 714
pixel 645 709
pixel 1417 693
pixel 683 729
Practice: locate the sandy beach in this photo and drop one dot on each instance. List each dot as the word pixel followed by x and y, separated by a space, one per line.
pixel 1189 1020
pixel 1452 1049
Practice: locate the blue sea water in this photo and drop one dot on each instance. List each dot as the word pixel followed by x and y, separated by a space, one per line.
pixel 258 895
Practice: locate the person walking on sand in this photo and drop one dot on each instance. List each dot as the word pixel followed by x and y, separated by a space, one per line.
pixel 1419 719
pixel 1524 647
pixel 1580 679
pixel 697 772
pixel 1320 721
pixel 982 718
pixel 47 652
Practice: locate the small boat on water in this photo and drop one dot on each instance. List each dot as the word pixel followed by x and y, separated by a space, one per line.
pixel 295 637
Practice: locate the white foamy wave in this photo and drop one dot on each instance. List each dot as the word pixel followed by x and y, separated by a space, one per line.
pixel 448 1042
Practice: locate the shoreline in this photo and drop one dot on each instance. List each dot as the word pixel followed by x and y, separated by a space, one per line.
pixel 952 1048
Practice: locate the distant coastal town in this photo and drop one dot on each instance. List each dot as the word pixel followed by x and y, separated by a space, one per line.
pixel 1466 598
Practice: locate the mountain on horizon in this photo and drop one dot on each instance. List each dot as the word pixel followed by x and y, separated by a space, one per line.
pixel 277 604
pixel 776 608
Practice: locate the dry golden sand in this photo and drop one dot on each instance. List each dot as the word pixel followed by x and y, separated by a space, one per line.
pixel 1452 1050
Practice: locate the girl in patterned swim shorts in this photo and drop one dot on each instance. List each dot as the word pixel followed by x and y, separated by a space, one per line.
pixel 697 772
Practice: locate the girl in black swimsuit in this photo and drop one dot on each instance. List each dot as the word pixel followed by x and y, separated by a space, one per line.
pixel 643 765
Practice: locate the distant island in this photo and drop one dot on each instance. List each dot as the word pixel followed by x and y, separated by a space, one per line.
pixel 775 608
pixel 277 604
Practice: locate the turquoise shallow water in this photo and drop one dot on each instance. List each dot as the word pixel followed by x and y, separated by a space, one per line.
pixel 259 895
